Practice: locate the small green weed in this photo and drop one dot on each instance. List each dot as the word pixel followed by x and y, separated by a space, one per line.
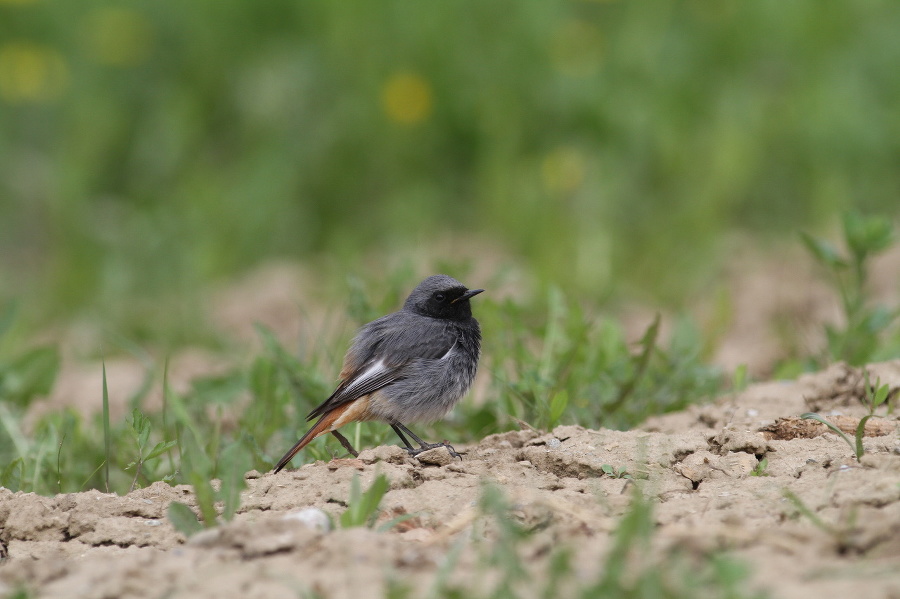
pixel 205 456
pixel 362 508
pixel 761 468
pixel 614 472
pixel 200 470
pixel 106 434
pixel 558 364
pixel 861 338
pixel 140 426
pixel 875 396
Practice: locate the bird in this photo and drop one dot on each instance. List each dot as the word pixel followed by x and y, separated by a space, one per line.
pixel 412 365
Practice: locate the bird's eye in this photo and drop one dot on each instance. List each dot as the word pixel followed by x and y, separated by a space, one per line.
pixel 439 297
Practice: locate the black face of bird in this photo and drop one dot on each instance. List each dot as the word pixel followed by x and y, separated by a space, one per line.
pixel 439 298
pixel 452 303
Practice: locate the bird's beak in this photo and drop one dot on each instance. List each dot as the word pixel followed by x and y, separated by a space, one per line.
pixel 467 295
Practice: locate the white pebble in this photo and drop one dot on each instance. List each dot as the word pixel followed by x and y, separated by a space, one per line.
pixel 312 518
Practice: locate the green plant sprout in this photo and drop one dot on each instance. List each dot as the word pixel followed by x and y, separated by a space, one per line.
pixel 234 460
pixel 363 507
pixel 859 339
pixel 570 367
pixel 760 469
pixel 140 426
pixel 614 472
pixel 874 397
pixel 107 438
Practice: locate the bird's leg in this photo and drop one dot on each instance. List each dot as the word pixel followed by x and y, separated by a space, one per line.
pixel 402 438
pixel 423 446
pixel 345 443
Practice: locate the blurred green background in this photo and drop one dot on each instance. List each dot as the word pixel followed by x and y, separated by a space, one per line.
pixel 599 154
pixel 148 147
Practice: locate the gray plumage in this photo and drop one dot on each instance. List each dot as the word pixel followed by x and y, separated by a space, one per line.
pixel 423 357
pixel 413 365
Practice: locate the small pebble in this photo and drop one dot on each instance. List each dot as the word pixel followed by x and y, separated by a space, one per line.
pixel 312 518
pixel 206 538
pixel 439 456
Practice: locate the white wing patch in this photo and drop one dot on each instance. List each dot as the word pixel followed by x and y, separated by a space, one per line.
pixel 372 371
pixel 449 351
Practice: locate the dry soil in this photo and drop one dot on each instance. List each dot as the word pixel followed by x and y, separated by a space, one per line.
pixel 697 466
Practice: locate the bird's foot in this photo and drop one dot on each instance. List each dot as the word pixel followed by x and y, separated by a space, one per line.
pixel 426 446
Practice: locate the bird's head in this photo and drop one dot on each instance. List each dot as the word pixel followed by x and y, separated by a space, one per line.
pixel 441 296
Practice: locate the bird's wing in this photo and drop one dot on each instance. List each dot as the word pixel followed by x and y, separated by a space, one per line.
pixel 382 352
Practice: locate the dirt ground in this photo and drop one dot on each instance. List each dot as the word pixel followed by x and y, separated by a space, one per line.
pixel 695 464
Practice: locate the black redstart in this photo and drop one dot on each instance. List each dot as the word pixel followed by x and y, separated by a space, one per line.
pixel 409 366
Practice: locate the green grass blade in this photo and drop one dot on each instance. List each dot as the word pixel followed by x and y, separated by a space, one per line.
pixel 107 440
pixel 818 418
pixel 648 343
pixel 350 517
pixel 557 407
pixel 183 519
pixel 554 334
pixel 88 479
pixel 235 463
pixel 739 381
pixel 362 509
pixel 206 499
pixel 372 498
pixel 803 509
pixel 165 417
pixel 860 433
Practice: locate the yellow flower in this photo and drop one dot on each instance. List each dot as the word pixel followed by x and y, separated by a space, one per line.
pixel 30 72
pixel 407 98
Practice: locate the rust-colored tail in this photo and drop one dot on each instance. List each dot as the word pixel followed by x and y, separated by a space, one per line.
pixel 321 427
